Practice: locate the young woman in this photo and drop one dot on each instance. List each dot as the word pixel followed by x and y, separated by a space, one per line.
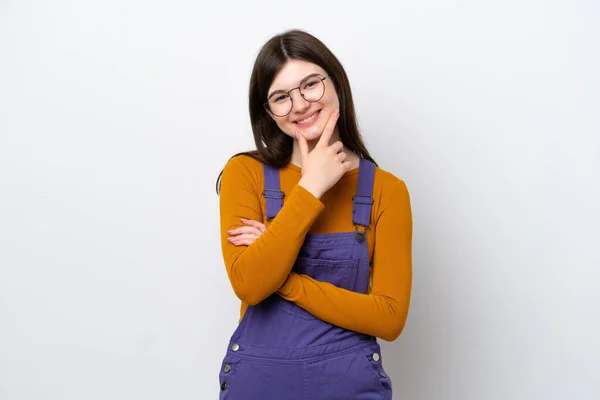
pixel 316 238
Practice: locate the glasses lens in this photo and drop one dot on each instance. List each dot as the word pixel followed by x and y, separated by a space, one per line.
pixel 312 89
pixel 280 104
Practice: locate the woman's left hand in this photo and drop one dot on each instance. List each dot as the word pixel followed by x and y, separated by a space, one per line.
pixel 245 235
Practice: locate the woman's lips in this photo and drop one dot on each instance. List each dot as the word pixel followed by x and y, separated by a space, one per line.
pixel 308 122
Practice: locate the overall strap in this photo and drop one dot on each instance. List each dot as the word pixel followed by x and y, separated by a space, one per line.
pixel 363 200
pixel 272 194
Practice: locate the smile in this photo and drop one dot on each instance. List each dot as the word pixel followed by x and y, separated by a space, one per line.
pixel 302 121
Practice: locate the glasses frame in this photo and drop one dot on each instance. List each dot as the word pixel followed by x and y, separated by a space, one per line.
pixel 266 105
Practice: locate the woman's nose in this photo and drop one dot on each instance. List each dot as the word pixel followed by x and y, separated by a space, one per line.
pixel 298 101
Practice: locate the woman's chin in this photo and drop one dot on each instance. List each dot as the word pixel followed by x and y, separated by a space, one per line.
pixel 311 135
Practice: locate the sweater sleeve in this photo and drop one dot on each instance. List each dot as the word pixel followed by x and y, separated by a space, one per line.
pixel 383 311
pixel 258 270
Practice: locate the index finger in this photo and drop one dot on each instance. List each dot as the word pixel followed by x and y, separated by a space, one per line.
pixel 254 223
pixel 328 130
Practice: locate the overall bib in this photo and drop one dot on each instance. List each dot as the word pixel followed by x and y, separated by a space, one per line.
pixel 279 351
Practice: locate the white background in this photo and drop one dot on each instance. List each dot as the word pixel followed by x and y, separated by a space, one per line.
pixel 116 117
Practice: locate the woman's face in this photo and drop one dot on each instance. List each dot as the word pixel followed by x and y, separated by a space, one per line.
pixel 308 117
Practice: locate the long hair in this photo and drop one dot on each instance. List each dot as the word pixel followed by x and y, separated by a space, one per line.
pixel 273 147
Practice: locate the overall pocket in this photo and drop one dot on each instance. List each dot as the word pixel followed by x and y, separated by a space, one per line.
pixel 341 273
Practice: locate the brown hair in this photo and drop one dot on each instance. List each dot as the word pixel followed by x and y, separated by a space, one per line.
pixel 273 147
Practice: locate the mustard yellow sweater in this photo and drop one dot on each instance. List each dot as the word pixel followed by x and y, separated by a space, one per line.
pixel 263 268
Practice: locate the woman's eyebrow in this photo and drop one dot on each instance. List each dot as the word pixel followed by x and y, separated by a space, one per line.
pixel 285 91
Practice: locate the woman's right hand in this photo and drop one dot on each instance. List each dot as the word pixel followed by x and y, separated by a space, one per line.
pixel 323 166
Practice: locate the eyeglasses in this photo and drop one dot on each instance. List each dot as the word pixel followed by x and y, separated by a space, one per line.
pixel 312 88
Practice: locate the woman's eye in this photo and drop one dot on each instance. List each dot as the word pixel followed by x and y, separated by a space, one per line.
pixel 279 99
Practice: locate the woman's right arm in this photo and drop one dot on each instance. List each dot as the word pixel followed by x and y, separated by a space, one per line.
pixel 258 270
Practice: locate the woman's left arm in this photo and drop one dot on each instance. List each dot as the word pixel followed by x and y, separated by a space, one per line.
pixel 384 310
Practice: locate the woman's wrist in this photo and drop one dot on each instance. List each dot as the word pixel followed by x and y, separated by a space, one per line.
pixel 310 188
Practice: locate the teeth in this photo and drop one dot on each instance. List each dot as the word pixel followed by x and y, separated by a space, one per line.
pixel 307 119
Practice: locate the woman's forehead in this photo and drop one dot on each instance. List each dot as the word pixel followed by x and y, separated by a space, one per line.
pixel 292 73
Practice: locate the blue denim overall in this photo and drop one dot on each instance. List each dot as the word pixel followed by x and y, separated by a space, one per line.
pixel 279 351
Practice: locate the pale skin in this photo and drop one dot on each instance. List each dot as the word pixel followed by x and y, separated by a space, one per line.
pixel 317 150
